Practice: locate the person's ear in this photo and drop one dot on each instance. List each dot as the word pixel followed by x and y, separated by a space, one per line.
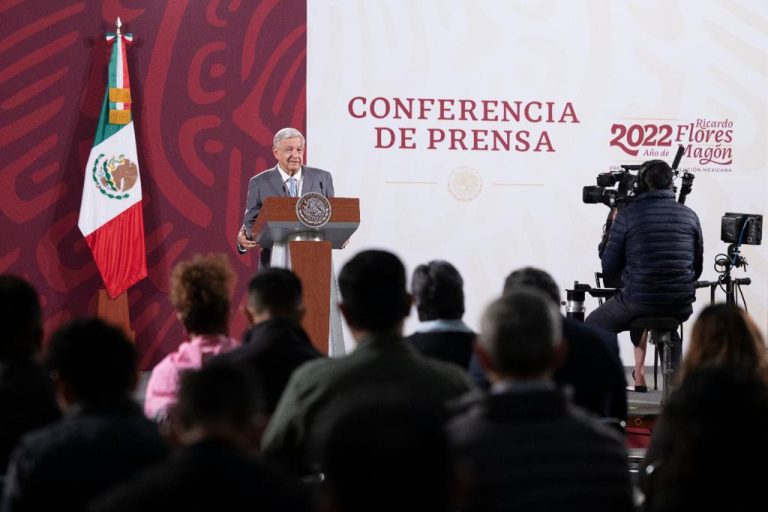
pixel 255 432
pixel 65 394
pixel 407 303
pixel 249 315
pixel 486 363
pixel 345 315
pixel 483 358
pixel 561 352
pixel 172 429
pixel 300 312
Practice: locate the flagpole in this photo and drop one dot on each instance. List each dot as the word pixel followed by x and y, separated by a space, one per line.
pixel 116 310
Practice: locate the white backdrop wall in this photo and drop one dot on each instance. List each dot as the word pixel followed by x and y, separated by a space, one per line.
pixel 690 72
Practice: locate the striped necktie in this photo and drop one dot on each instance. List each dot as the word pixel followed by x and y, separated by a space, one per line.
pixel 292 188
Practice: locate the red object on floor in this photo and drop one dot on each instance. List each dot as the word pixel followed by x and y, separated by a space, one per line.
pixel 638 437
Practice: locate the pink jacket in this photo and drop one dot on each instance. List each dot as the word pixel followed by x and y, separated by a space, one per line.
pixel 163 384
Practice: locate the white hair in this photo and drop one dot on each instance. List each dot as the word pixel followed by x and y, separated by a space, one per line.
pixel 520 332
pixel 287 133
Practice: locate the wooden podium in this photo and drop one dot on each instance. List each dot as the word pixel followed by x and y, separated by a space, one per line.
pixel 310 253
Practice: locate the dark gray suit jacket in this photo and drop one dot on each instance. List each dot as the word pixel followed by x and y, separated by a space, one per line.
pixel 381 367
pixel 269 183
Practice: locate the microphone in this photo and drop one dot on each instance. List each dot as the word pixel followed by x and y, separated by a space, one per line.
pixel 678 157
pixel 285 190
pixel 321 188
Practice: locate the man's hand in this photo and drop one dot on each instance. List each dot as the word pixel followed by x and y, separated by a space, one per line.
pixel 244 242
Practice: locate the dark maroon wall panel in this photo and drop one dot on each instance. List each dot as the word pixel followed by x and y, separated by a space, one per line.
pixel 211 81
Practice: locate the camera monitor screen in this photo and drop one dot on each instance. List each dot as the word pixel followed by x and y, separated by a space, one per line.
pixel 741 228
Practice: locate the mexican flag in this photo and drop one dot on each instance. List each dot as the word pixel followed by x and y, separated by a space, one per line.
pixel 111 219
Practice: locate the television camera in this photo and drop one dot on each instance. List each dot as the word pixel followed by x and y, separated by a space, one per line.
pixel 627 185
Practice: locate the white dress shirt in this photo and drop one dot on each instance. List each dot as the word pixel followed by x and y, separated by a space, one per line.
pixel 299 177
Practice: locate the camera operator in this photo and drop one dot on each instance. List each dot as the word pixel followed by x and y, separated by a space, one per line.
pixel 655 245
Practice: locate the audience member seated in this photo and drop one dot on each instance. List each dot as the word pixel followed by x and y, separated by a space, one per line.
pixel 384 457
pixel 523 445
pixel 438 293
pixel 276 344
pixel 724 335
pixel 592 369
pixel 218 419
pixel 709 447
pixel 26 393
pixel 104 438
pixel 375 303
pixel 200 290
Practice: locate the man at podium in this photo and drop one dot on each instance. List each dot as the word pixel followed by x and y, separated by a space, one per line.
pixel 288 178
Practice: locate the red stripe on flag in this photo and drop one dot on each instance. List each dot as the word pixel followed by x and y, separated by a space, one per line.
pixel 119 250
pixel 126 81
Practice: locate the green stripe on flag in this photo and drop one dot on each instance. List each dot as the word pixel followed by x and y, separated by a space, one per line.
pixel 104 129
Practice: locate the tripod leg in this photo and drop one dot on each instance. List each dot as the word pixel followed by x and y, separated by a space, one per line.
pixel 667 365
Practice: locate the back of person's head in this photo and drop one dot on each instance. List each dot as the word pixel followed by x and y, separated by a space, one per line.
pixel 438 291
pixel 20 318
pixel 530 277
pixel 220 399
pixel 372 286
pixel 94 360
pixel 725 336
pixel 657 175
pixel 276 290
pixel 200 290
pixel 384 455
pixel 710 423
pixel 520 333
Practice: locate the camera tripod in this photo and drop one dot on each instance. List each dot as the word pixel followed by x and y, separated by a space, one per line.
pixel 660 330
pixel 724 263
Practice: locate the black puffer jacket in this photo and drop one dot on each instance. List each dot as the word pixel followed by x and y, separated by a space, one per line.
pixel 656 246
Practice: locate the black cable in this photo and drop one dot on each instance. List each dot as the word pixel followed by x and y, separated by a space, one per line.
pixel 743 301
pixel 722 261
pixel 720 285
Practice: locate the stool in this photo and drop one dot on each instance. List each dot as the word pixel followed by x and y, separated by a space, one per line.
pixel 660 329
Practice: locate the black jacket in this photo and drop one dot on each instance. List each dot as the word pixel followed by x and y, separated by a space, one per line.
pixel 26 403
pixel 656 245
pixel 67 464
pixel 709 446
pixel 208 475
pixel 273 350
pixel 592 370
pixel 530 450
pixel 450 346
